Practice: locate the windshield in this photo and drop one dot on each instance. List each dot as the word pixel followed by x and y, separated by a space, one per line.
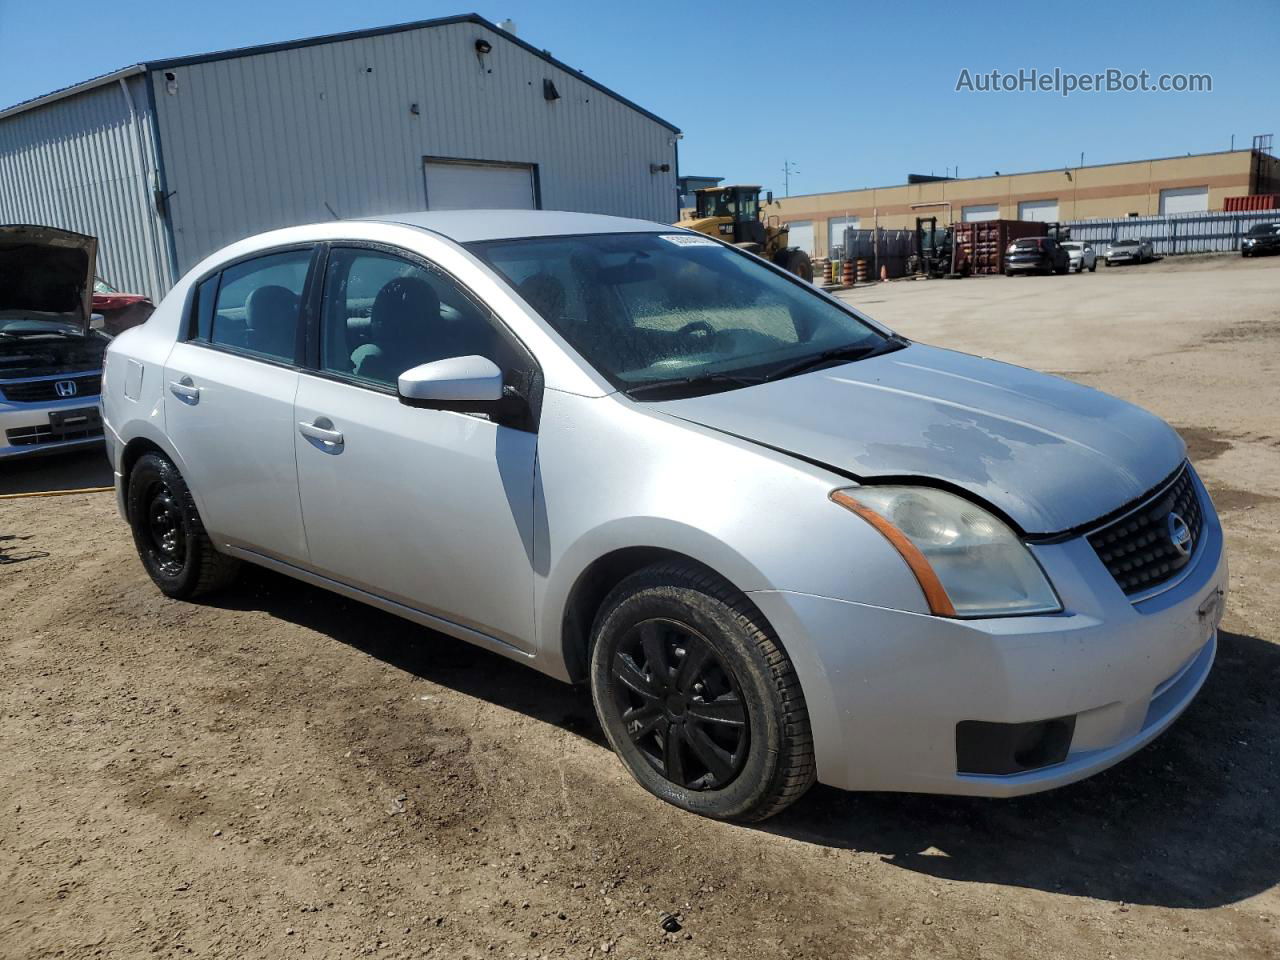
pixel 645 308
pixel 1125 243
pixel 1264 229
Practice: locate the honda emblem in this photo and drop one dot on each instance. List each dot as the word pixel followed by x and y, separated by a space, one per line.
pixel 65 388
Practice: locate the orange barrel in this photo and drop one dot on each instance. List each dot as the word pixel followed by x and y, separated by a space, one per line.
pixel 862 270
pixel 846 274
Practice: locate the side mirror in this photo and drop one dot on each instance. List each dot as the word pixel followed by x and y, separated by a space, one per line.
pixel 457 383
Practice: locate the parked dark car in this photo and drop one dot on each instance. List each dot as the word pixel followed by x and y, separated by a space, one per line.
pixel 1261 240
pixel 1036 255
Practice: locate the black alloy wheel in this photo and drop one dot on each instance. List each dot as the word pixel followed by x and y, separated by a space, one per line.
pixel 681 705
pixel 697 696
pixel 168 533
pixel 166 538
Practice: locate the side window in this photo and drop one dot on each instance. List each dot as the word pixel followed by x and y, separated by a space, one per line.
pixel 259 304
pixel 383 314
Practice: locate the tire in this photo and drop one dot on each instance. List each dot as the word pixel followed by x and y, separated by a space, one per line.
pixel 1008 273
pixel 794 260
pixel 168 533
pixel 758 752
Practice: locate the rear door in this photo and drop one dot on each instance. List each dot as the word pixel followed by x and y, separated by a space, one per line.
pixel 429 508
pixel 229 393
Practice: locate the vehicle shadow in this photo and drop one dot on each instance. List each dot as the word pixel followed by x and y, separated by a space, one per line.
pixel 1187 822
pixel 68 471
pixel 425 653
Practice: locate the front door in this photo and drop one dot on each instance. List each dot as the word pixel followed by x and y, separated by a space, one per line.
pixel 228 398
pixel 429 508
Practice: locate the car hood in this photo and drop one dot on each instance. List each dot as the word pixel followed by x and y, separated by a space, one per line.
pixel 48 273
pixel 1050 454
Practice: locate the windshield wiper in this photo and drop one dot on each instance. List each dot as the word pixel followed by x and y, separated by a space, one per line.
pixel 845 354
pixel 697 380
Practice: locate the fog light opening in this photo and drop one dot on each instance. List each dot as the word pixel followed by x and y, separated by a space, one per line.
pixel 1002 749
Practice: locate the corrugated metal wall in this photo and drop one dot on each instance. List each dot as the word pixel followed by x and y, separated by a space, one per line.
pixel 269 140
pixel 76 164
pixel 1176 233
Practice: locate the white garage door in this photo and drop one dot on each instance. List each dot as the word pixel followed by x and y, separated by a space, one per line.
pixel 1184 200
pixel 452 185
pixel 980 211
pixel 1045 211
pixel 835 230
pixel 801 235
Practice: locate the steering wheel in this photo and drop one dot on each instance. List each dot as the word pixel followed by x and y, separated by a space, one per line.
pixel 697 327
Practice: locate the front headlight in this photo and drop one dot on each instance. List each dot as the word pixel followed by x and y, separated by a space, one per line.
pixel 968 562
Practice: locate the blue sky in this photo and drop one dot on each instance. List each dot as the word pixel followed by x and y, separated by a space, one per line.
pixel 853 94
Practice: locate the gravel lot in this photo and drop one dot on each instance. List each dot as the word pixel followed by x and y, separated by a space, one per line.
pixel 281 772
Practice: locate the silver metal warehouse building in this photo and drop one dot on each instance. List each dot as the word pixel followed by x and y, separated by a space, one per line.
pixel 167 161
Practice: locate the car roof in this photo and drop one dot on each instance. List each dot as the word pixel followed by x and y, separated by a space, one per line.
pixel 466 226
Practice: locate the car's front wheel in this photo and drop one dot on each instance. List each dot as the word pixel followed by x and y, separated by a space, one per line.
pixel 169 534
pixel 698 697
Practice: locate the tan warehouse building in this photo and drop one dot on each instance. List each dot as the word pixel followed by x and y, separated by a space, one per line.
pixel 1187 184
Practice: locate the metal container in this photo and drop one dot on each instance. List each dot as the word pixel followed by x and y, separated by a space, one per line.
pixel 984 242
pixel 887 249
pixel 1255 201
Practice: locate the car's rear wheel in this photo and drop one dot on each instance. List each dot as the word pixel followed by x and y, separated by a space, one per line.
pixel 168 532
pixel 697 696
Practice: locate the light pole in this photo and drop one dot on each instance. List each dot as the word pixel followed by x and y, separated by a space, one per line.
pixel 788 171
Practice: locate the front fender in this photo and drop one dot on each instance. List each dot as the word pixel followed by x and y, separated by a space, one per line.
pixel 613 476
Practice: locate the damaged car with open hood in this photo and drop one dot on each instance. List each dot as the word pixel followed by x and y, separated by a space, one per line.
pixel 781 543
pixel 50 350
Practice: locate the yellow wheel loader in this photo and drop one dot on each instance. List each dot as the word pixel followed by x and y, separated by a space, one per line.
pixel 734 215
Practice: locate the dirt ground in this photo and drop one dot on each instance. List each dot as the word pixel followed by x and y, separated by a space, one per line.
pixel 283 773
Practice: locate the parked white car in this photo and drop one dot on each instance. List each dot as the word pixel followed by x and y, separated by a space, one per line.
pixel 781 543
pixel 1082 256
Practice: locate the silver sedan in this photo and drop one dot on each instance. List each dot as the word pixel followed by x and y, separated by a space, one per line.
pixel 779 542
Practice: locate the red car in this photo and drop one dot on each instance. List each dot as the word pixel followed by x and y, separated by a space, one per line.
pixel 119 311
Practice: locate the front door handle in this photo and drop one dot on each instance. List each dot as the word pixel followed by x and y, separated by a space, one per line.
pixel 185 390
pixel 322 434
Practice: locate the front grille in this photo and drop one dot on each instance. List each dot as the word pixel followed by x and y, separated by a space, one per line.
pixel 1139 549
pixel 39 391
pixel 44 433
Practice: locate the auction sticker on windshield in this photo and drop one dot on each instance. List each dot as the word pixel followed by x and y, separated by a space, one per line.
pixel 689 240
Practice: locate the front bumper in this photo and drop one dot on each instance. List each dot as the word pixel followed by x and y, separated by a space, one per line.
pixel 886 689
pixel 24 428
pixel 1027 266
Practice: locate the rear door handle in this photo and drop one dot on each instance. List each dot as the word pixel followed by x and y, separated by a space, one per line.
pixel 321 432
pixel 185 390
